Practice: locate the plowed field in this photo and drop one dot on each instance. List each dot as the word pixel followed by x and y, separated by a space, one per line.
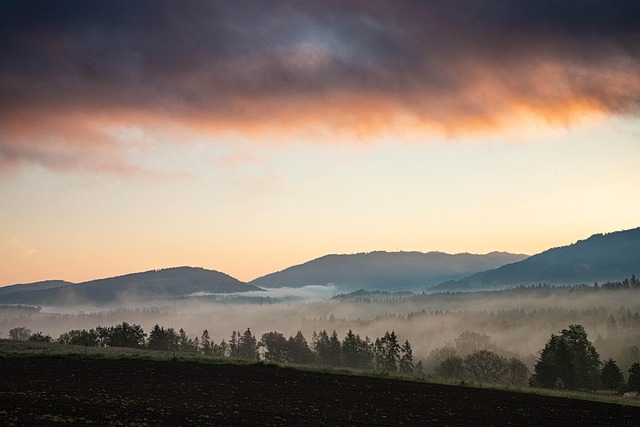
pixel 50 391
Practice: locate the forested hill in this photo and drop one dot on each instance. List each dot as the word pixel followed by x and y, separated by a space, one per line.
pixel 36 286
pixel 389 271
pixel 600 258
pixel 165 283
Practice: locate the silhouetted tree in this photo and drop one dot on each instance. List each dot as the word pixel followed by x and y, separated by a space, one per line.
pixel 248 346
pixel 221 350
pixel 451 368
pixel 387 352
pixel 327 348
pixel 517 372
pixel 356 352
pixel 275 345
pixel 205 342
pixel 634 377
pixel 185 343
pixel 571 357
pixel 485 366
pixel 336 348
pixel 406 359
pixel 298 350
pixel 162 339
pixel 233 347
pixel 611 375
pixel 122 335
pixel 350 350
pixel 39 337
pixel 80 337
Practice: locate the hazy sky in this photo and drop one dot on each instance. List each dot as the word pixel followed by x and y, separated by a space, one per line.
pixel 246 137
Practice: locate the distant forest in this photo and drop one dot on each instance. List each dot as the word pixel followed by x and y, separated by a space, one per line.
pixel 384 354
pixel 541 289
pixel 568 360
pixel 453 334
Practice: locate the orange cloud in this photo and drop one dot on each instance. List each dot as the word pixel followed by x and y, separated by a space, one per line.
pixel 321 72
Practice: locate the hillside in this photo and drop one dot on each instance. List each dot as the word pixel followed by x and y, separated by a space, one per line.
pixel 600 258
pixel 147 392
pixel 155 284
pixel 390 271
pixel 36 286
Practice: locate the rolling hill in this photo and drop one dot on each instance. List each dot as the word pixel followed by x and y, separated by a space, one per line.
pixel 388 271
pixel 600 258
pixel 155 284
pixel 36 286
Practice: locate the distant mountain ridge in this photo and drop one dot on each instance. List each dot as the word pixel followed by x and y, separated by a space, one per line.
pixel 387 271
pixel 36 286
pixel 601 257
pixel 154 284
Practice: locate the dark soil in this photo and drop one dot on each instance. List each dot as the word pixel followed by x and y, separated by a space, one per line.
pixel 48 391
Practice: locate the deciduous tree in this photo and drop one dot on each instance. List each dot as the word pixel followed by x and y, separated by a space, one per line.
pixel 122 335
pixel 451 368
pixel 80 337
pixel 40 337
pixel 470 341
pixel 19 334
pixel 485 366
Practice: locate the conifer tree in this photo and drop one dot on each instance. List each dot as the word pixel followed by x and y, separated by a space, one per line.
pixel 248 346
pixel 406 360
pixel 611 375
pixel 634 377
pixel 571 357
pixel 205 343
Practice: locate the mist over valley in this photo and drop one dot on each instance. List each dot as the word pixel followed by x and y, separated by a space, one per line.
pixel 515 321
pixel 319 212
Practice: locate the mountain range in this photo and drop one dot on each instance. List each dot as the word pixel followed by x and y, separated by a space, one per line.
pixel 151 285
pixel 386 271
pixel 601 257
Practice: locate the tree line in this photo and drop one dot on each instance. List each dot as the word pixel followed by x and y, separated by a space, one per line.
pixel 567 361
pixel 475 357
pixel 384 354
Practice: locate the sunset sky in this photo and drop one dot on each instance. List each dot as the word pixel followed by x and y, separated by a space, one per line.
pixel 247 137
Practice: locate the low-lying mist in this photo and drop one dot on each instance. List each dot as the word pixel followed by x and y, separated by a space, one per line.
pixel 309 293
pixel 519 321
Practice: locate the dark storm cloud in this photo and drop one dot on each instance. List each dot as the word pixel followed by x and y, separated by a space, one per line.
pixel 453 66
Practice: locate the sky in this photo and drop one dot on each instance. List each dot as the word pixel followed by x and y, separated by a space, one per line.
pixel 247 137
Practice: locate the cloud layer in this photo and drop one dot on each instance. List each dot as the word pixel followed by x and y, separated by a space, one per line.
pixel 74 72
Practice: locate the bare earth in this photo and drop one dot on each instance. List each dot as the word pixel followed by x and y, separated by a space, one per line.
pixel 50 391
